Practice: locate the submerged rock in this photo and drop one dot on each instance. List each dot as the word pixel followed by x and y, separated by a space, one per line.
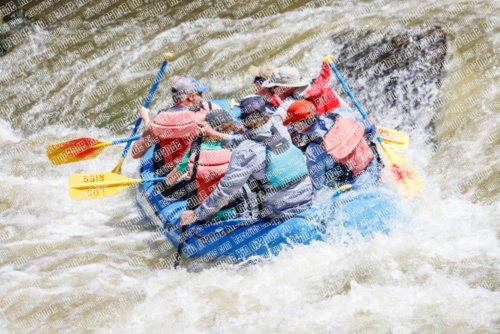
pixel 9 26
pixel 2 37
pixel 396 77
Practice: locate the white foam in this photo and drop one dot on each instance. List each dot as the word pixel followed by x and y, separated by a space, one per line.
pixel 7 133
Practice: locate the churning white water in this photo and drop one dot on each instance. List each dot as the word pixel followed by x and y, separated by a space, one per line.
pixel 96 266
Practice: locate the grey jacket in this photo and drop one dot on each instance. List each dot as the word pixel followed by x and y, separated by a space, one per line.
pixel 249 163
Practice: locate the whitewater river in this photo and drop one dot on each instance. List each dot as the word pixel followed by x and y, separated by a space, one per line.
pixel 81 68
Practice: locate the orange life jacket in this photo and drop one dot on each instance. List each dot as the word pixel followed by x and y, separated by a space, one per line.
pixel 346 144
pixel 174 132
pixel 212 166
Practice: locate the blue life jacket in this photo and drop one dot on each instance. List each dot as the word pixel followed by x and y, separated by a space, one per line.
pixel 285 162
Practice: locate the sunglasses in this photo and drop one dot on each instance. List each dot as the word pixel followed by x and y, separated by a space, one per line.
pixel 258 80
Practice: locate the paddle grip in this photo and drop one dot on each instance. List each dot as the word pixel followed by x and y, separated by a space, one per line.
pixel 155 84
pixel 146 105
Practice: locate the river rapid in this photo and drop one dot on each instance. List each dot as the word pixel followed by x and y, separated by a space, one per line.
pixel 80 68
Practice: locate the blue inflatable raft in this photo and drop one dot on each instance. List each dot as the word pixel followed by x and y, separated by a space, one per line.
pixel 353 212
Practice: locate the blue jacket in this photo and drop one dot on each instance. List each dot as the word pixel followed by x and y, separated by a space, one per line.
pixel 249 163
pixel 319 161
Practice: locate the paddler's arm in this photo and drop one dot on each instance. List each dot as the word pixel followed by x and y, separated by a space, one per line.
pixel 318 86
pixel 144 113
pixel 147 139
pixel 205 129
pixel 370 128
pixel 232 141
pixel 243 163
pixel 226 139
pixel 324 80
pixel 174 176
pixel 282 109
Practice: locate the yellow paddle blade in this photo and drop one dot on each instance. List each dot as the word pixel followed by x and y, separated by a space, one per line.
pixel 75 150
pixel 96 185
pixel 403 173
pixel 396 140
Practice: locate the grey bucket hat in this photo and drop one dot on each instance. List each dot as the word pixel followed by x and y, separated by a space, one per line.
pixel 284 76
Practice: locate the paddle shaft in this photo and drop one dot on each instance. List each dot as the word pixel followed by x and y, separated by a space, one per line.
pixel 125 140
pixel 190 204
pixel 146 105
pixel 179 247
pixel 356 103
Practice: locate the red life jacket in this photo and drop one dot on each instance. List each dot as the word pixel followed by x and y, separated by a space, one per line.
pixel 212 166
pixel 346 144
pixel 320 94
pixel 174 132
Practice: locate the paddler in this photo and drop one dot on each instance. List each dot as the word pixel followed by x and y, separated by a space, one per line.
pixel 205 163
pixel 286 87
pixel 172 130
pixel 273 167
pixel 262 74
pixel 341 149
pixel 199 102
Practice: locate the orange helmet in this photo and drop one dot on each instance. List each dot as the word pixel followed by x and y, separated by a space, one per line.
pixel 299 111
